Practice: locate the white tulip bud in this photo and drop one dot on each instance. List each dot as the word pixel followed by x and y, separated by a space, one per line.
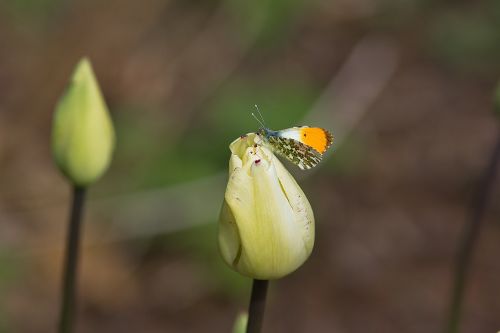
pixel 266 225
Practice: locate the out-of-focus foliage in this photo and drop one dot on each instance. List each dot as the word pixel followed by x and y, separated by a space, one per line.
pixel 350 158
pixel 282 103
pixel 201 152
pixel 496 99
pixel 468 38
pixel 200 243
pixel 33 12
pixel 267 19
pixel 9 271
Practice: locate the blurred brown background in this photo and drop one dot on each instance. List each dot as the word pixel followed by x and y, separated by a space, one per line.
pixel 405 86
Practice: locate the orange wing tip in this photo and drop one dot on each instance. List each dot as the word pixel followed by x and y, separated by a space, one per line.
pixel 317 138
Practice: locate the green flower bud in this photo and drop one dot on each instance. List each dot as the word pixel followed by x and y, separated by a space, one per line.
pixel 82 134
pixel 266 224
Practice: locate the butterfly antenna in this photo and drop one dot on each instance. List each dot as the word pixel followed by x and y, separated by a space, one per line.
pixel 260 122
pixel 260 114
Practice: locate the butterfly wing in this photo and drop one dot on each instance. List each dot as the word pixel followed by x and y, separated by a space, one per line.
pixel 317 138
pixel 305 157
pixel 304 146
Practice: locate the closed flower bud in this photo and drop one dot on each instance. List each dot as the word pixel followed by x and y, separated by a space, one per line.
pixel 82 134
pixel 266 224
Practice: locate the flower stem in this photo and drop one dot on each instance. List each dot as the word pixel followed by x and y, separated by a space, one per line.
pixel 71 262
pixel 470 235
pixel 257 305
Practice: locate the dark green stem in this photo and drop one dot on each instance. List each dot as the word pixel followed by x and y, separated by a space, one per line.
pixel 67 312
pixel 257 306
pixel 470 235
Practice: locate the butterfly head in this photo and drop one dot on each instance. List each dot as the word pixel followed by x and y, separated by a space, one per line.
pixel 266 133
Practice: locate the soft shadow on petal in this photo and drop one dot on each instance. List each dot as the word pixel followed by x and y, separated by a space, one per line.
pixel 229 239
pixel 304 215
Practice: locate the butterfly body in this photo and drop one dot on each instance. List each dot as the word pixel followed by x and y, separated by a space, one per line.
pixel 304 146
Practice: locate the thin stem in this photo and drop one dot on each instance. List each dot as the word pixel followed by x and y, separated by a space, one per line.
pixel 257 306
pixel 71 262
pixel 469 239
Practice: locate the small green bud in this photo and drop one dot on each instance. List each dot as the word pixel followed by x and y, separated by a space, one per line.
pixel 83 137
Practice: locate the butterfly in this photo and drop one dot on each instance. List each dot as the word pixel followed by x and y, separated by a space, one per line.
pixel 304 146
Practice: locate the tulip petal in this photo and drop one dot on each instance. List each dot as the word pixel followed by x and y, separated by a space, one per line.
pixel 229 239
pixel 299 203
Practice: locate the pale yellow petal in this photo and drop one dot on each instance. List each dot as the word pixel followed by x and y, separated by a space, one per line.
pixel 304 215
